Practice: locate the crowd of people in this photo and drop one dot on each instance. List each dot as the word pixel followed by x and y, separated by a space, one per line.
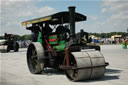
pixel 24 44
pixel 109 41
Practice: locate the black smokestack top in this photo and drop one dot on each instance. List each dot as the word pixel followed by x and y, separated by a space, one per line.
pixel 72 20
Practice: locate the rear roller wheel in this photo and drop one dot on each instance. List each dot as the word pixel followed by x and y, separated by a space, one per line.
pixel 16 47
pixel 34 54
pixel 89 64
pixel 8 48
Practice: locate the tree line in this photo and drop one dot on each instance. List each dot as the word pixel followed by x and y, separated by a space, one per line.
pixel 18 37
pixel 102 35
pixel 108 35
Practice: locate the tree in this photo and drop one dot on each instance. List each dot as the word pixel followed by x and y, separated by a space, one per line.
pixel 26 37
pixel 108 35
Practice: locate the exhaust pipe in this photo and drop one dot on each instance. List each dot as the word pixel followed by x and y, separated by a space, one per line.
pixel 72 21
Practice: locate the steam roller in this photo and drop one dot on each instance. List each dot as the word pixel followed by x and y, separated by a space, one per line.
pixel 8 43
pixel 63 48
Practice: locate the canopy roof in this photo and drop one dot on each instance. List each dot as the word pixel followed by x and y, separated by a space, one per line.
pixel 58 18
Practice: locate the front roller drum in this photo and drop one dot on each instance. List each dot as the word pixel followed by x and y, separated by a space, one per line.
pixel 3 48
pixel 85 65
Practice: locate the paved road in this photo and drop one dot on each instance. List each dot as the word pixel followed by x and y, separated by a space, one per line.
pixel 14 70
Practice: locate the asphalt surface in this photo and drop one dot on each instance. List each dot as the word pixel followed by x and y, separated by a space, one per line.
pixel 14 70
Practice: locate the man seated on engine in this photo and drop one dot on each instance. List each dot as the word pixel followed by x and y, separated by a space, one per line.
pixel 62 32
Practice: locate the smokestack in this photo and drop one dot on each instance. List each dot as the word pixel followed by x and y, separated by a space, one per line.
pixel 72 21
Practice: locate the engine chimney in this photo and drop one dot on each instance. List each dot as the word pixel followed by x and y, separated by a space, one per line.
pixel 72 21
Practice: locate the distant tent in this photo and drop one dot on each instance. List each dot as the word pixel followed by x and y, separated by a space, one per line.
pixel 95 41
